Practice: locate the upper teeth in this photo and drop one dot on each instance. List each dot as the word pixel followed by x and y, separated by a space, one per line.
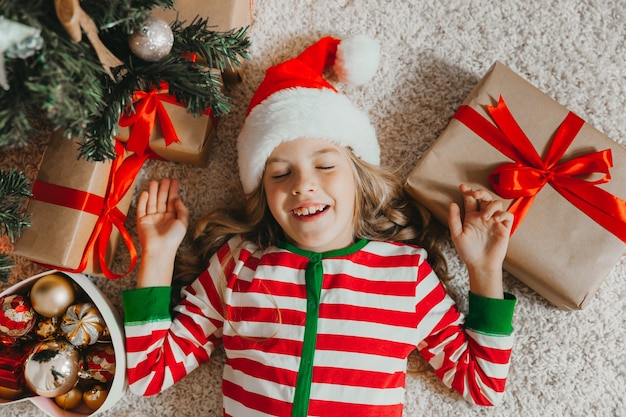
pixel 305 211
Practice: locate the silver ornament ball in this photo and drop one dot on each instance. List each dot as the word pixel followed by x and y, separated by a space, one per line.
pixel 153 41
pixel 51 369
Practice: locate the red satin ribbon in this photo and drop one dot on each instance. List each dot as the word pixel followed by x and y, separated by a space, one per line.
pixel 148 107
pixel 522 179
pixel 121 178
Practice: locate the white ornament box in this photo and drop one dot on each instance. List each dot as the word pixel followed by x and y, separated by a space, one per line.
pixel 114 324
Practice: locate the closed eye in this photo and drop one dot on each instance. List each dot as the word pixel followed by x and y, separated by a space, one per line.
pixel 279 176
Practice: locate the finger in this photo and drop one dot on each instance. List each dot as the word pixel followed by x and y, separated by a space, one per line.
pixel 469 201
pixel 506 218
pixel 163 195
pixel 482 195
pixel 141 204
pixel 151 203
pixel 182 212
pixel 454 219
pixel 490 208
pixel 173 196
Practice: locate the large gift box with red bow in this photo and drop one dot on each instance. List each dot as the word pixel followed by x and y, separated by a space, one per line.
pixel 222 16
pixel 78 210
pixel 564 180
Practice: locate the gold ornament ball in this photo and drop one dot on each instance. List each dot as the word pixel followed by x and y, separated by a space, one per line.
pixel 51 295
pixel 10 393
pixel 70 399
pixel 95 397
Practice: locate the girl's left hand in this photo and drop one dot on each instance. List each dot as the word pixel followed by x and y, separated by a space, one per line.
pixel 481 237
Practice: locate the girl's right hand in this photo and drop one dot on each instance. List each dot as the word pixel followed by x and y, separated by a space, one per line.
pixel 162 221
pixel 162 217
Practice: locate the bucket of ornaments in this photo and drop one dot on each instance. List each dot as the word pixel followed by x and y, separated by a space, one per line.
pixel 62 346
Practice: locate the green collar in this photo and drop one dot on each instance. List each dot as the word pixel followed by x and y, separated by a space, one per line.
pixel 348 250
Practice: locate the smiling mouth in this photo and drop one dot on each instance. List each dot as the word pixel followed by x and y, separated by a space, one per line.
pixel 309 211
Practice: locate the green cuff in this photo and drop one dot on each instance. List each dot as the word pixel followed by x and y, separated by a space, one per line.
pixel 491 315
pixel 144 305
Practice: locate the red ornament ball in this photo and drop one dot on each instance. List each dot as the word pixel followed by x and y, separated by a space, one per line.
pixel 17 316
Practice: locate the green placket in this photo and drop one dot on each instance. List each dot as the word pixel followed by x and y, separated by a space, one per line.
pixel 313 275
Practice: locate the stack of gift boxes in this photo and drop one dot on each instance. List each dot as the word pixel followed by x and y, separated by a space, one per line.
pixel 77 213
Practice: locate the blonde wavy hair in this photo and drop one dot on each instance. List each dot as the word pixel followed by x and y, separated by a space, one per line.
pixel 384 212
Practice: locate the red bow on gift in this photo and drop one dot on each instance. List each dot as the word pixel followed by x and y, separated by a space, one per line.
pixel 123 173
pixel 148 106
pixel 522 179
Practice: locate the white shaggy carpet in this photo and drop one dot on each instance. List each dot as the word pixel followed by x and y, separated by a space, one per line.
pixel 433 53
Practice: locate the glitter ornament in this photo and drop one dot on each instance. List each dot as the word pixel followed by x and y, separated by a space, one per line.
pixel 17 316
pixel 82 324
pixel 153 41
pixel 51 295
pixel 98 364
pixel 51 369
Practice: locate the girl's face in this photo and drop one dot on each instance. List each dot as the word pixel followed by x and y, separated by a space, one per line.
pixel 310 190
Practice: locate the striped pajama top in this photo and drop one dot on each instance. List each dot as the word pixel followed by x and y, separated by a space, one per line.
pixel 318 334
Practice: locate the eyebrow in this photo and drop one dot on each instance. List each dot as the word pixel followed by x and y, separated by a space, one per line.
pixel 315 154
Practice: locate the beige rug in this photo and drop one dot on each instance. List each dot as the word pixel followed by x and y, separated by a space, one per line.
pixel 433 53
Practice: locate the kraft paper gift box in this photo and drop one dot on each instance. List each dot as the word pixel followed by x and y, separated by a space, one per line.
pixel 195 133
pixel 69 208
pixel 557 250
pixel 117 387
pixel 222 15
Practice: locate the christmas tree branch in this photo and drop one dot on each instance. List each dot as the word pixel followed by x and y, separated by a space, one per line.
pixel 14 188
pixel 6 265
pixel 219 49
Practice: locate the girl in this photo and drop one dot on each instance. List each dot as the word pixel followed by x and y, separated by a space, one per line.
pixel 315 286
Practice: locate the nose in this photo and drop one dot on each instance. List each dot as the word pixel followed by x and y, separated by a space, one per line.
pixel 303 183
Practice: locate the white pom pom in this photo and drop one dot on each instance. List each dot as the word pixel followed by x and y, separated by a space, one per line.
pixel 357 59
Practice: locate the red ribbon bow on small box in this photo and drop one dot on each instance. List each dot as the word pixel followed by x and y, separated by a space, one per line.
pixel 522 179
pixel 148 107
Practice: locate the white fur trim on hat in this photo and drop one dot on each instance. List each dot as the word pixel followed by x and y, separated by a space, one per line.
pixel 302 113
pixel 357 59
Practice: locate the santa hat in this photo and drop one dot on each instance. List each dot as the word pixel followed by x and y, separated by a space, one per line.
pixel 296 101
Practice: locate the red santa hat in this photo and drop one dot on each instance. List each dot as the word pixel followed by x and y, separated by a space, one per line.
pixel 296 101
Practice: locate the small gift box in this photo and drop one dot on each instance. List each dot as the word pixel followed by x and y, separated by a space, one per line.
pixel 77 289
pixel 78 210
pixel 222 15
pixel 161 128
pixel 11 369
pixel 551 169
